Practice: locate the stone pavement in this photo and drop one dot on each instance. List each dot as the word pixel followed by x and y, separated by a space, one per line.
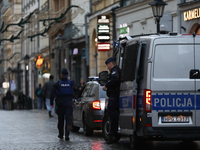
pixel 34 130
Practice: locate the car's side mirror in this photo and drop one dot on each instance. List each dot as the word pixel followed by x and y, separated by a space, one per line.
pixel 103 77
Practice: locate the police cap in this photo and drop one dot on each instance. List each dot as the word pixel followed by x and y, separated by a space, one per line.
pixel 64 71
pixel 111 59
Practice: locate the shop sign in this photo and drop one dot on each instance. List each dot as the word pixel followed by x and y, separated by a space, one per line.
pixel 104 19
pixel 103 28
pixel 12 85
pixel 75 51
pixel 123 30
pixel 103 46
pixel 103 37
pixel 192 14
pixel 39 61
pixel 5 85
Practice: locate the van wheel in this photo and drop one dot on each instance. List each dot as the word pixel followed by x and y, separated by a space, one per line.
pixel 106 127
pixel 86 129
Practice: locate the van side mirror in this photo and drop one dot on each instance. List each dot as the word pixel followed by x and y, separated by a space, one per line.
pixel 103 77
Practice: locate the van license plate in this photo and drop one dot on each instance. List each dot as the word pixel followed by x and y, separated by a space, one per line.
pixel 175 119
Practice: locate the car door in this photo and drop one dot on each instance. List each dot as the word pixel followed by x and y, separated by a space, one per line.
pixel 81 102
pixel 76 106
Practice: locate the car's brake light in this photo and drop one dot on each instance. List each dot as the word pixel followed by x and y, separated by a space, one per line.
pixel 96 105
pixel 147 100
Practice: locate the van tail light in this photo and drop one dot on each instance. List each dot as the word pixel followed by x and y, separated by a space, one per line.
pixel 96 105
pixel 147 101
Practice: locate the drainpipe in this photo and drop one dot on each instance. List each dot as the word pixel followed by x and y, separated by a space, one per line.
pixel 86 35
pixel 112 12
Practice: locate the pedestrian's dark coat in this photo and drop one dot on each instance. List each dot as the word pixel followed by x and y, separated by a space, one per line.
pixel 47 88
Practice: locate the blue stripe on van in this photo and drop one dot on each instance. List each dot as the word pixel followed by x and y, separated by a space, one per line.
pixel 173 102
pixel 126 102
pixel 198 102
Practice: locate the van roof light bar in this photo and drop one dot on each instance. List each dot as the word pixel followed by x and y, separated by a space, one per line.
pixel 130 37
pixel 173 33
pixel 93 78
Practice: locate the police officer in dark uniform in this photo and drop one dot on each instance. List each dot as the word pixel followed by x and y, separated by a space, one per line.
pixel 63 91
pixel 113 86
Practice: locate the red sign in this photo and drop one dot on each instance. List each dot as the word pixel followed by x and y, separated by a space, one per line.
pixel 103 46
pixel 39 61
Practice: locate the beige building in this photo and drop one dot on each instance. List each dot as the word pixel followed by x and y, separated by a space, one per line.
pixel 101 10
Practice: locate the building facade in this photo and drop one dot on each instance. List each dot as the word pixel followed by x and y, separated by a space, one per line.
pixel 101 17
pixel 189 14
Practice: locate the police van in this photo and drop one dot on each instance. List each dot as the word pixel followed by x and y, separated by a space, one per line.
pixel 160 87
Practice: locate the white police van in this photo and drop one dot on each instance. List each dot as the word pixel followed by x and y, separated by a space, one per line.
pixel 160 87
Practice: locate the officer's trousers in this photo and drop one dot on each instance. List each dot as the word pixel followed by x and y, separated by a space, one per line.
pixel 64 111
pixel 113 113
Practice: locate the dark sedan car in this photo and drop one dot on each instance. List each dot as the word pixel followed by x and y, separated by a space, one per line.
pixel 88 108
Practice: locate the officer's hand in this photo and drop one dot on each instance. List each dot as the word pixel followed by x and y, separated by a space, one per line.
pixel 104 88
pixel 51 106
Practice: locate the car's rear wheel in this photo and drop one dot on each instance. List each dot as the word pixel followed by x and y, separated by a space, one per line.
pixel 106 127
pixel 75 129
pixel 86 129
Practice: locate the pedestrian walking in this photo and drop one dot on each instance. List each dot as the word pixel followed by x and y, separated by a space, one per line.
pixel 46 90
pixel 38 93
pixel 63 90
pixel 112 87
pixel 9 100
pixel 21 100
pixel 4 102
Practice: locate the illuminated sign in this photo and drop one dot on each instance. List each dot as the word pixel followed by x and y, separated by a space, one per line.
pixel 46 73
pixel 5 85
pixel 192 14
pixel 103 47
pixel 39 61
pixel 103 37
pixel 123 30
pixel 103 28
pixel 103 19
pixel 75 51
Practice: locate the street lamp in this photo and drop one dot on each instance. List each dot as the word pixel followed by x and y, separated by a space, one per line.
pixel 59 43
pixel 26 61
pixel 9 70
pixel 158 9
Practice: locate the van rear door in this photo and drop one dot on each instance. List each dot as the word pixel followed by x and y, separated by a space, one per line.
pixel 173 92
pixel 128 87
pixel 197 67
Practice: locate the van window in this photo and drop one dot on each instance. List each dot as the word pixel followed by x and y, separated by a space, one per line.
pixel 142 60
pixel 129 62
pixel 173 61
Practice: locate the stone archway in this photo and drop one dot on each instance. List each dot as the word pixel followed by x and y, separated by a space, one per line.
pixel 195 28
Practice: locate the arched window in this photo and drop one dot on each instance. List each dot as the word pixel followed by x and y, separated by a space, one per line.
pixel 195 28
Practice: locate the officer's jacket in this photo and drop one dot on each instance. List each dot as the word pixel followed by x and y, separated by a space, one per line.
pixel 113 83
pixel 61 96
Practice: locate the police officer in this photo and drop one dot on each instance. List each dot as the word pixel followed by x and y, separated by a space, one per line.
pixel 63 92
pixel 112 87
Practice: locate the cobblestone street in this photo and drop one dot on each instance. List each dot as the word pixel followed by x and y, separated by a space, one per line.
pixel 33 129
